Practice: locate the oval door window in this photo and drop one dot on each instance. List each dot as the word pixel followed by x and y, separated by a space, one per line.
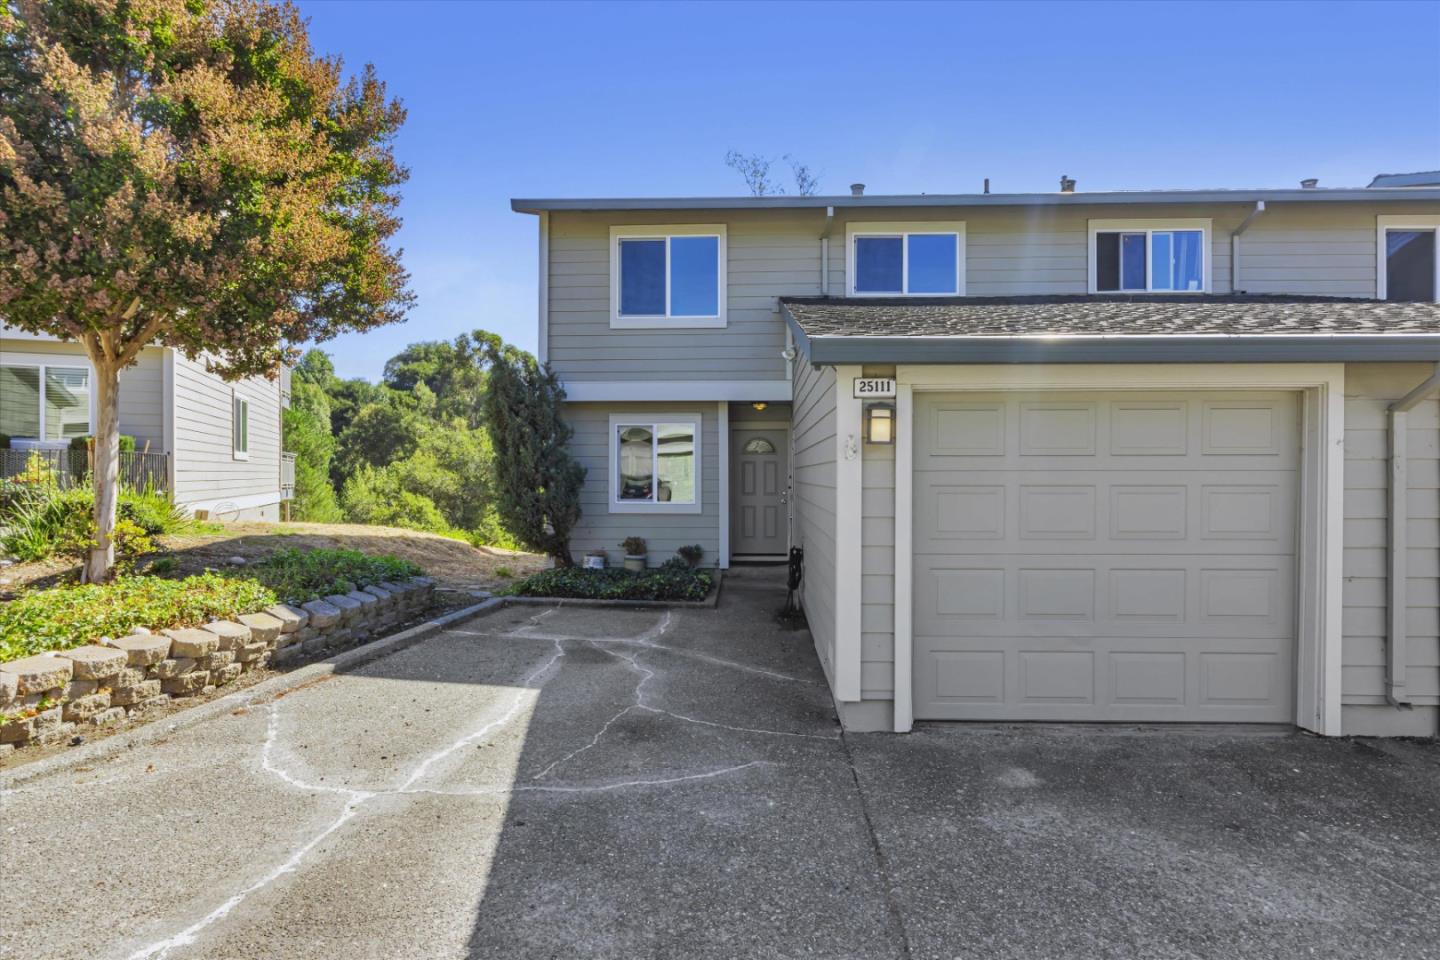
pixel 759 445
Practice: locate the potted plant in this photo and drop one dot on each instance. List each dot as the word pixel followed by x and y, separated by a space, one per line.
pixel 596 559
pixel 634 553
pixel 691 554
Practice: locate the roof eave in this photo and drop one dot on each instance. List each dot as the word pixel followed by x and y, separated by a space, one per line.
pixel 1315 195
pixel 826 351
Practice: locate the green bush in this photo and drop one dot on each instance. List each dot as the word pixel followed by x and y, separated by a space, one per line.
pixel 127 443
pixel 299 575
pixel 65 617
pixel 669 582
pixel 377 496
pixel 46 521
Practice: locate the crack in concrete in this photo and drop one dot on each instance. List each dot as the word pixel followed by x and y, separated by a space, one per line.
pixel 355 798
pixel 592 787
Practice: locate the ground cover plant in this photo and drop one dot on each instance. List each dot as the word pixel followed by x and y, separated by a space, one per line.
pixel 71 616
pixel 674 580
pixel 296 576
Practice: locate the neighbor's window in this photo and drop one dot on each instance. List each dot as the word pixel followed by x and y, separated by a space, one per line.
pixel 240 427
pixel 1148 260
pixel 42 402
pixel 1410 265
pixel 670 276
pixel 923 260
pixel 656 463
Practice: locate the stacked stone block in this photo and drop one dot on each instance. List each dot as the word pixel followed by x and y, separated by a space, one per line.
pixel 52 697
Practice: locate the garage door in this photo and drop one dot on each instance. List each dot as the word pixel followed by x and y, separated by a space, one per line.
pixel 1118 556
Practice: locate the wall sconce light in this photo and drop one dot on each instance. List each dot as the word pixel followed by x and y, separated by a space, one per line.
pixel 880 423
pixel 759 406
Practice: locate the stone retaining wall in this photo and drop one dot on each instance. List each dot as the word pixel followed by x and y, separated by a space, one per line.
pixel 52 696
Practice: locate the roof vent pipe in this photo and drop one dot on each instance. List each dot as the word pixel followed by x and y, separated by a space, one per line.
pixel 987 184
pixel 1067 184
pixel 1309 184
pixel 857 189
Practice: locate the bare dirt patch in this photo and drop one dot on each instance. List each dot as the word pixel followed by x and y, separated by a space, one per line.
pixel 454 563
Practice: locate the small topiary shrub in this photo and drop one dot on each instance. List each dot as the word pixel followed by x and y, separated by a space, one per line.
pixel 692 554
pixel 674 580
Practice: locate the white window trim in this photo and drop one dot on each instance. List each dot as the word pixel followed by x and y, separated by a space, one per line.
pixel 13 359
pixel 652 420
pixel 237 398
pixel 665 232
pixel 1148 227
pixel 904 229
pixel 1403 222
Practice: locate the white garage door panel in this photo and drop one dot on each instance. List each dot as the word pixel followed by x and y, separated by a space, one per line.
pixel 1105 557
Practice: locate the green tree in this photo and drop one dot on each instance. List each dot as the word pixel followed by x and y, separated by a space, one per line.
pixel 537 481
pixel 381 432
pixel 453 372
pixel 307 434
pixel 348 398
pixel 188 173
pixel 377 495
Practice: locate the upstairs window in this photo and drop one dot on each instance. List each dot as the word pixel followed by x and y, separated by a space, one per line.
pixel 667 276
pixel 655 464
pixel 1409 259
pixel 900 260
pixel 1149 256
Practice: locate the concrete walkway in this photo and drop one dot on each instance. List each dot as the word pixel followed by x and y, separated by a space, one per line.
pixel 626 784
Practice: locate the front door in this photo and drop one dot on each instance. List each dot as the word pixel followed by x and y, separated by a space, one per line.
pixel 759 491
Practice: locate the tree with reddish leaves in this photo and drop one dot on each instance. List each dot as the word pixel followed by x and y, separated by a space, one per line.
pixel 188 173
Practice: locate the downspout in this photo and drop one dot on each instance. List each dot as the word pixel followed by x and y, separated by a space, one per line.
pixel 1235 245
pixel 1396 640
pixel 542 351
pixel 825 252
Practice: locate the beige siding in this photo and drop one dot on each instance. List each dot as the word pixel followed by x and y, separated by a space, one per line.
pixel 1296 248
pixel 1368 390
pixel 206 470
pixel 813 466
pixel 1320 249
pixel 770 256
pixel 599 529
pixel 142 386
pixel 877 565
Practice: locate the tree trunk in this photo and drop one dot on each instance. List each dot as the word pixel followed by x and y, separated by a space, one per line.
pixel 562 558
pixel 107 471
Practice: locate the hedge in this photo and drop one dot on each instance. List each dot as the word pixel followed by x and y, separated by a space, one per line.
pixel 670 582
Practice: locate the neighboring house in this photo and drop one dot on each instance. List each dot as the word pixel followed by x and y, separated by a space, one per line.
pixel 1142 460
pixel 215 446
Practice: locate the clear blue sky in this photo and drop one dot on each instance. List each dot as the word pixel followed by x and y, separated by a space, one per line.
pixel 540 100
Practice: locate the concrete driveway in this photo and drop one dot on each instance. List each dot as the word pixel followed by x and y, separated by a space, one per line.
pixel 623 784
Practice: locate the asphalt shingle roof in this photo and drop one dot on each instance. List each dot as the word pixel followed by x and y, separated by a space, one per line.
pixel 1109 316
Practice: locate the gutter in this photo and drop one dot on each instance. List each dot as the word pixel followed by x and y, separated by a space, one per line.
pixel 1405 195
pixel 1398 571
pixel 1235 245
pixel 831 351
